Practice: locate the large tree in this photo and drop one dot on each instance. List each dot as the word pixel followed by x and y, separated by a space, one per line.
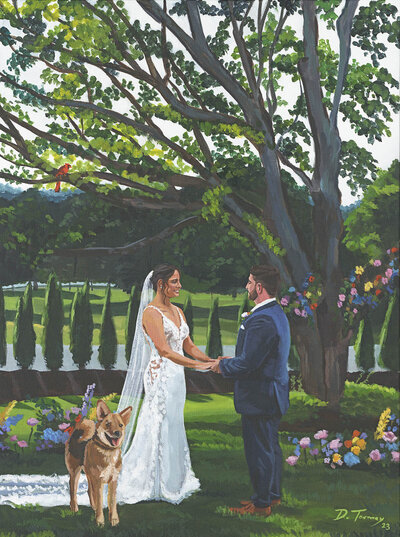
pixel 140 109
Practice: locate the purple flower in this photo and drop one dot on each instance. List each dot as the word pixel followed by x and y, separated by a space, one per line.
pixel 32 422
pixel 388 436
pixel 292 460
pixel 50 416
pixel 75 410
pixel 363 436
pixel 375 455
pixel 314 452
pixel 305 442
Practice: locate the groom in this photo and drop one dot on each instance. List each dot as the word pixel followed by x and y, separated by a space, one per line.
pixel 261 387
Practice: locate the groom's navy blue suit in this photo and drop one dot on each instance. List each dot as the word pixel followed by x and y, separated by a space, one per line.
pixel 261 394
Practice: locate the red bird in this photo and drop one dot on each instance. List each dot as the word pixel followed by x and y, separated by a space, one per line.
pixel 63 170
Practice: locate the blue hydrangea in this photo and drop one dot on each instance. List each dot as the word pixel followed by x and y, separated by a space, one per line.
pixel 13 420
pixel 57 437
pixel 50 416
pixel 350 459
pixel 295 441
pixel 292 289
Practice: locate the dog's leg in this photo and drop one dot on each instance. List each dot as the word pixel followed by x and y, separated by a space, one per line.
pixel 97 492
pixel 73 487
pixel 90 494
pixel 112 503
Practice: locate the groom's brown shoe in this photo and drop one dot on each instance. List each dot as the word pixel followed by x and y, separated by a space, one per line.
pixel 251 509
pixel 273 502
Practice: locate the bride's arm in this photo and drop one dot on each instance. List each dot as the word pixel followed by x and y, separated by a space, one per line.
pixel 153 324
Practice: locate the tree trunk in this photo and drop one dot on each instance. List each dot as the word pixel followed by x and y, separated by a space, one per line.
pixel 323 364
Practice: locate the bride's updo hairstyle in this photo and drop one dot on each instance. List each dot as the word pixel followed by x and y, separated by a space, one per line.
pixel 162 272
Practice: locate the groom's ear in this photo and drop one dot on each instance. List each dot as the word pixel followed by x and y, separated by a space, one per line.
pixel 102 410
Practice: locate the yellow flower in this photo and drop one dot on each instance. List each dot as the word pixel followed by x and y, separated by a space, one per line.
pixel 361 443
pixel 355 450
pixel 319 293
pixel 308 294
pixel 368 286
pixel 336 457
pixel 359 270
pixel 6 411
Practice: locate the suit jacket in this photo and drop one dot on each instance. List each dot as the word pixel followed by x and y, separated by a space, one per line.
pixel 259 367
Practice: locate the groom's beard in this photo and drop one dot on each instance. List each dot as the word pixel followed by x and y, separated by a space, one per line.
pixel 252 295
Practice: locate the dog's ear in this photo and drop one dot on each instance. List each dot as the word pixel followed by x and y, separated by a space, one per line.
pixel 102 410
pixel 126 415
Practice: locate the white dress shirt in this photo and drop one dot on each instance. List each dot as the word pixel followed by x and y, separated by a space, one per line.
pixel 263 303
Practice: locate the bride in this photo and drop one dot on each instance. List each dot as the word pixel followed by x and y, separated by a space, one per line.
pixel 156 462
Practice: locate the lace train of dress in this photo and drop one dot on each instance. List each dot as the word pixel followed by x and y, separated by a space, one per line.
pixel 157 465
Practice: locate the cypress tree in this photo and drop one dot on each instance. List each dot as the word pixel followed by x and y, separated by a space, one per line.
pixel 81 328
pixel 130 323
pixel 74 328
pixel 3 330
pixel 17 337
pixel 53 321
pixel 364 346
pixel 214 345
pixel 188 311
pixel 389 336
pixel 245 306
pixel 87 323
pixel 108 336
pixel 29 335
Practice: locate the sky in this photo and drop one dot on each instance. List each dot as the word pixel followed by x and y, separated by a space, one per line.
pixel 384 152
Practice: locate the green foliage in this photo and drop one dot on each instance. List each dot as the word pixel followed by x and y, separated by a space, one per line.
pixel 214 344
pixel 29 332
pixel 18 333
pixel 368 400
pixel 294 359
pixel 389 337
pixel 244 307
pixel 3 327
pixel 373 225
pixel 81 327
pixel 53 321
pixel 108 336
pixel 188 312
pixel 24 337
pixel 364 346
pixel 131 317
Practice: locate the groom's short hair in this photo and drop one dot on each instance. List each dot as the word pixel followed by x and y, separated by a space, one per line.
pixel 268 276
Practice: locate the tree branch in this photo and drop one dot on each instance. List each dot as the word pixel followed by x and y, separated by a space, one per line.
pixel 343 25
pixel 128 248
pixel 303 176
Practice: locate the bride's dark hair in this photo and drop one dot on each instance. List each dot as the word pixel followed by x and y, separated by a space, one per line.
pixel 162 272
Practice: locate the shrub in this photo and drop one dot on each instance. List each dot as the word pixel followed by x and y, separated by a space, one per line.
pixel 214 345
pixel 364 346
pixel 188 311
pixel 3 330
pixel 389 337
pixel 108 336
pixel 53 320
pixel 131 317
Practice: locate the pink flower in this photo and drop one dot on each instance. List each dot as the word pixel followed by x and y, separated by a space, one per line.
pixel 333 466
pixel 321 434
pixel 377 263
pixel 63 426
pixel 22 443
pixel 342 298
pixel 339 462
pixel 292 460
pixel 14 438
pixel 388 436
pixel 385 281
pixel 304 313
pixel 284 301
pixel 335 444
pixel 375 455
pixel 297 311
pixel 75 410
pixel 388 272
pixel 353 291
pixel 388 251
pixel 32 422
pixel 339 304
pixel 355 311
pixel 305 442
pixel 327 460
pixel 395 456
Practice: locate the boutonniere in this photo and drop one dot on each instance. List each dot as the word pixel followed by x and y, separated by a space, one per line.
pixel 246 314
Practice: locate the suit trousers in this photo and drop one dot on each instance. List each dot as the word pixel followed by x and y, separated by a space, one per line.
pixel 264 457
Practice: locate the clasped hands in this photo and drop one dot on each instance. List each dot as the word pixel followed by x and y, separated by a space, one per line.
pixel 215 366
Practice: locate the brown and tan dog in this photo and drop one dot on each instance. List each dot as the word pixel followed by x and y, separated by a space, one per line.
pixel 96 448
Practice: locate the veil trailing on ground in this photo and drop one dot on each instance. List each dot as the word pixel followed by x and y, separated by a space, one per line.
pixel 140 356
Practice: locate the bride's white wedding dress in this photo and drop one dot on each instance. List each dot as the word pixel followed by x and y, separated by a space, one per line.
pixel 157 465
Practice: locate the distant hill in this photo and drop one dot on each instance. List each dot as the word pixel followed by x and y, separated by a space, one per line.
pixel 10 192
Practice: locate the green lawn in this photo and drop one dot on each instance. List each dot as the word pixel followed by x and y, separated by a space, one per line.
pixel 119 299
pixel 313 494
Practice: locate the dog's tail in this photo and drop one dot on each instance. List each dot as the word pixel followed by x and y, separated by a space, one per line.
pixel 84 430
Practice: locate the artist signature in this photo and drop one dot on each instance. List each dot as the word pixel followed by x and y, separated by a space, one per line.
pixel 361 514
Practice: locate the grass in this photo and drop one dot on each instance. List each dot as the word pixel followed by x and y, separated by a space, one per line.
pixel 228 309
pixel 313 494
